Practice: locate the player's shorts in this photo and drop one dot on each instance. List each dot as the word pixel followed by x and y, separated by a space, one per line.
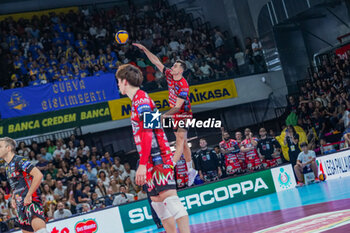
pixel 210 176
pixel 180 122
pixel 160 178
pixel 181 180
pixel 267 163
pixel 253 162
pixel 25 215
pixel 233 165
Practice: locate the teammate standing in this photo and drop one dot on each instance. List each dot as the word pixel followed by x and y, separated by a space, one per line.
pixel 248 146
pixel 24 179
pixel 230 149
pixel 155 167
pixel 180 107
pixel 269 149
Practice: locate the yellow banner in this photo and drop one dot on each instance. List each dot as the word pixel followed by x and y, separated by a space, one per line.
pixel 29 15
pixel 199 94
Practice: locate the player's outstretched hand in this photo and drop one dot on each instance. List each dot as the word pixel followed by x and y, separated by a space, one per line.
pixel 27 200
pixel 140 46
pixel 140 178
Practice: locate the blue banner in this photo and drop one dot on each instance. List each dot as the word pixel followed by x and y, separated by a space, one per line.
pixel 58 95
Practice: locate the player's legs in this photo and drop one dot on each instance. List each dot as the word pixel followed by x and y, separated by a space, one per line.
pixel 299 172
pixel 167 219
pixel 39 225
pixel 181 137
pixel 187 152
pixel 176 209
pixel 314 168
pixel 183 148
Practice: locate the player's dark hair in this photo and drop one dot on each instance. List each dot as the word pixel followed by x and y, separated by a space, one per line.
pixel 182 63
pixel 131 73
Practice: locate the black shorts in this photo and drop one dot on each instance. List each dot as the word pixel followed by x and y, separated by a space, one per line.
pixel 162 180
pixel 183 125
pixel 210 176
pixel 25 215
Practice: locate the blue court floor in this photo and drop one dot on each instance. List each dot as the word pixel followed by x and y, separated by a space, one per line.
pixel 252 215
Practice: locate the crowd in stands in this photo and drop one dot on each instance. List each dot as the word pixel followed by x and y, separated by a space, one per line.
pixel 78 44
pixel 323 103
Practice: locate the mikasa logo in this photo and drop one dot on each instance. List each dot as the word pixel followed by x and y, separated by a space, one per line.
pixel 207 197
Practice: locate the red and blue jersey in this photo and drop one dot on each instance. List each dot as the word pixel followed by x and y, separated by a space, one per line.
pixel 178 89
pixel 151 144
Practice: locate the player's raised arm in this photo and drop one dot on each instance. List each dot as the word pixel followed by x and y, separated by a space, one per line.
pixel 153 58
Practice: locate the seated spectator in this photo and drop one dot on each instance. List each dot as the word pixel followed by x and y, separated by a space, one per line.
pixel 80 196
pixel 32 158
pixel 50 147
pixel 23 150
pixel 46 155
pixel 128 172
pixel 107 158
pixel 85 208
pixel 141 195
pixel 100 189
pixel 47 191
pixel 42 165
pixel 83 147
pixel 59 190
pixel 81 167
pixel 103 178
pixel 131 186
pixel 326 148
pixel 97 203
pixel 118 166
pixel 49 181
pixel 59 150
pixel 123 197
pixel 114 186
pixel 208 163
pixel 206 70
pixel 306 162
pixel 61 212
pixel 109 198
pixel 94 162
pixel 91 173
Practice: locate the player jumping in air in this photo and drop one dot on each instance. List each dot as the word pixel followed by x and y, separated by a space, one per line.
pixel 180 107
pixel 24 179
pixel 155 166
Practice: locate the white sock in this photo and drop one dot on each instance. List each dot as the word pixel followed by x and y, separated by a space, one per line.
pixel 189 165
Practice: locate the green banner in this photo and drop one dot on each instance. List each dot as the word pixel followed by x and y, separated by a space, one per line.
pixel 55 120
pixel 197 199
